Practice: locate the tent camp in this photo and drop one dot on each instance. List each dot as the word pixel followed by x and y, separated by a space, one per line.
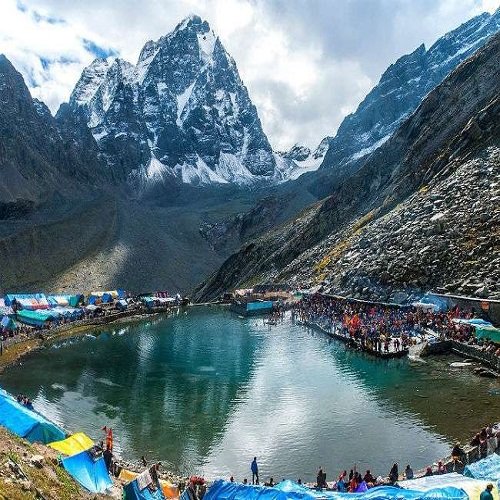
pixel 157 301
pixel 64 300
pixel 73 445
pixel 106 297
pixel 27 423
pixel 290 490
pixel 473 487
pixel 90 472
pixel 488 468
pixel 67 312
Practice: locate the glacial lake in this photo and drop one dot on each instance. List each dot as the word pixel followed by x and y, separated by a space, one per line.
pixel 205 391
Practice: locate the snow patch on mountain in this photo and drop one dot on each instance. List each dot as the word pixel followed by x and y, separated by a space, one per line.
pixel 370 149
pixel 197 175
pixel 206 42
pixel 300 160
pixel 182 100
pixel 232 170
pixel 402 87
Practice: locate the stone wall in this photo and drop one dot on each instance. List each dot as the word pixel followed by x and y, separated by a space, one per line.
pixel 472 352
pixel 447 346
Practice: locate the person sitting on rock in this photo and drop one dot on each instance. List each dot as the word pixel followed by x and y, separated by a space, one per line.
pixel 368 478
pixel 408 472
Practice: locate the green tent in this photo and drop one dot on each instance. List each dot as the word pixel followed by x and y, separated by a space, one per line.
pixel 488 332
pixel 36 318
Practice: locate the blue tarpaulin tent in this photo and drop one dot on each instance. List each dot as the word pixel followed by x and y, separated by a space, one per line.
pixel 131 491
pixel 90 473
pixel 121 304
pixel 8 323
pixel 27 423
pixel 64 300
pixel 488 468
pixel 223 490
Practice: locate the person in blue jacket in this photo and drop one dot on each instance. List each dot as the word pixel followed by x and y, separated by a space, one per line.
pixel 255 471
pixel 486 494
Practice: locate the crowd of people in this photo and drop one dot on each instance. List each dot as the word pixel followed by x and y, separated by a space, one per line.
pixel 356 482
pixel 483 439
pixel 384 328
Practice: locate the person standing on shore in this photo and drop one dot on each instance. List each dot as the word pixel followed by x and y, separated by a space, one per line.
pixel 394 474
pixel 486 494
pixel 255 471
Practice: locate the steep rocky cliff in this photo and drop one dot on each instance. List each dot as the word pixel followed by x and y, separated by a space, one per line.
pixel 422 212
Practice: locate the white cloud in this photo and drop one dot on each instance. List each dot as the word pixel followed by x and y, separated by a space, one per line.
pixel 306 63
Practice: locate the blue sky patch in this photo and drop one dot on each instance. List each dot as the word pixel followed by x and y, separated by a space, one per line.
pixel 98 51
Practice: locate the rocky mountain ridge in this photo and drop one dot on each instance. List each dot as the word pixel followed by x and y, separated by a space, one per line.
pixel 421 213
pixel 401 89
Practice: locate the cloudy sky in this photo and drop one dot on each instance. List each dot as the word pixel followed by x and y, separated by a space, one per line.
pixel 306 63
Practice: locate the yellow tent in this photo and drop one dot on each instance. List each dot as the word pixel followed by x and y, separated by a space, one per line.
pixel 74 444
pixel 170 491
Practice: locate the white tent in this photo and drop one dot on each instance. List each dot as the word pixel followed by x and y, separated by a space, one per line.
pixel 473 487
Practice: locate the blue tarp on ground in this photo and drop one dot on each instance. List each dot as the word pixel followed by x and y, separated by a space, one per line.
pixel 27 423
pixel 131 491
pixel 91 474
pixel 439 302
pixel 289 490
pixel 488 468
pixel 264 305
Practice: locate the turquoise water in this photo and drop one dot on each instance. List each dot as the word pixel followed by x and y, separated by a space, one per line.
pixel 206 391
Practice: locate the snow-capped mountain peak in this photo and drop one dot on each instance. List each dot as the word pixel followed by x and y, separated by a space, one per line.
pixel 182 106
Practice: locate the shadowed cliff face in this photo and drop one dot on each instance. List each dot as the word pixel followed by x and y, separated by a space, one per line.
pixel 40 156
pixel 455 125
